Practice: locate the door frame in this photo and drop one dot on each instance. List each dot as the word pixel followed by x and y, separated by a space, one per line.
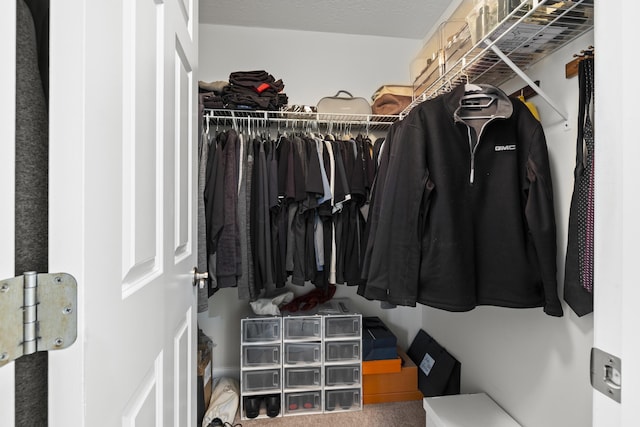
pixel 66 189
pixel 617 206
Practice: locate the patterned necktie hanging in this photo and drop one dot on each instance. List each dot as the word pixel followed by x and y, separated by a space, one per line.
pixel 585 186
pixel 578 286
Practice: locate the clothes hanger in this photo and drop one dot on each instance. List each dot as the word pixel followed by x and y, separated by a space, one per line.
pixel 477 102
pixel 475 98
pixel 470 87
pixel 530 105
pixel 473 101
pixel 234 123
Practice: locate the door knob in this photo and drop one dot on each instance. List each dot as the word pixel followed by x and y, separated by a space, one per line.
pixel 199 278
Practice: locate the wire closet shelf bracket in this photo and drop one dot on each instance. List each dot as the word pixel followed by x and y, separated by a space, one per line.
pixel 533 30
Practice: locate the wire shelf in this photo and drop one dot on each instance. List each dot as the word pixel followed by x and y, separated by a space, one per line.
pixel 532 31
pixel 294 119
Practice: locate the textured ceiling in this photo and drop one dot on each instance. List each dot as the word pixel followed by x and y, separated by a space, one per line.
pixel 388 18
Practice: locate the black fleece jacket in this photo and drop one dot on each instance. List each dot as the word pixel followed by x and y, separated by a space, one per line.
pixel 460 220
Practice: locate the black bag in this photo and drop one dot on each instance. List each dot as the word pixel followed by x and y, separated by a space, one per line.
pixel 439 371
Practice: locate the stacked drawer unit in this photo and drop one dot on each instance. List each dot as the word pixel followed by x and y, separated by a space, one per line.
pixel 261 367
pixel 342 336
pixel 302 364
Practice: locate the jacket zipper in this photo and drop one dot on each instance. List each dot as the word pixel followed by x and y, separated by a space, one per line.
pixel 472 148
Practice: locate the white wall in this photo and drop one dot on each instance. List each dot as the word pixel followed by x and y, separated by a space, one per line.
pixel 312 65
pixel 535 366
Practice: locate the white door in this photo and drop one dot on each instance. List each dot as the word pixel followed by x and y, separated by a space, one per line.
pixel 7 183
pixel 123 115
pixel 617 232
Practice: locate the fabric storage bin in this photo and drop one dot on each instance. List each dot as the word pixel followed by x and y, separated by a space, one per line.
pixel 342 375
pixel 342 326
pixel 254 381
pixel 310 401
pixel 302 327
pixel 302 377
pixel 295 353
pixel 260 355
pixel 254 330
pixel 342 399
pixel 338 351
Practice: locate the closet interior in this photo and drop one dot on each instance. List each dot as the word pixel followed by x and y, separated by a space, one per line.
pixel 336 247
pixel 520 45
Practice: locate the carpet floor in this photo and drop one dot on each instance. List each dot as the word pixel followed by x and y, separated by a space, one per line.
pixel 400 414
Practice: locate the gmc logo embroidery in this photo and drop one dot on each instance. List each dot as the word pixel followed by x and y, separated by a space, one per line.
pixel 505 147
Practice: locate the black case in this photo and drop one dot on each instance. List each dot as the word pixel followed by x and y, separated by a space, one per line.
pixel 438 371
pixel 378 342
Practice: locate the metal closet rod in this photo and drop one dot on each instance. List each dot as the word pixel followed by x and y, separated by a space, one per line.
pixel 293 121
pixel 317 118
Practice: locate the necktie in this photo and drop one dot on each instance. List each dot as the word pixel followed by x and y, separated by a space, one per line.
pixel 578 278
pixel 585 188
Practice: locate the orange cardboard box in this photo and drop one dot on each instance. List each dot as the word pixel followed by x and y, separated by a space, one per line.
pixel 369 399
pixel 384 366
pixel 394 386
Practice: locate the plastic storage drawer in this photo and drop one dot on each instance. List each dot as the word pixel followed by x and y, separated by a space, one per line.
pixel 342 351
pixel 260 355
pixel 342 326
pixel 310 401
pixel 342 375
pixel 296 328
pixel 344 400
pixel 302 377
pixel 262 404
pixel 255 330
pixel 263 380
pixel 296 353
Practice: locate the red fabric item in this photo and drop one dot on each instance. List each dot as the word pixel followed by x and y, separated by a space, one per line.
pixel 310 299
pixel 263 87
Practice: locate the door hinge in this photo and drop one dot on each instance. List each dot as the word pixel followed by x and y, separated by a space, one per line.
pixel 606 373
pixel 37 313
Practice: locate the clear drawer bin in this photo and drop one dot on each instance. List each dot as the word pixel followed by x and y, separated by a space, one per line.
pixel 342 326
pixel 254 330
pixel 254 381
pixel 301 327
pixel 339 351
pixel 295 353
pixel 262 404
pixel 342 375
pixel 260 355
pixel 295 403
pixel 342 400
pixel 302 377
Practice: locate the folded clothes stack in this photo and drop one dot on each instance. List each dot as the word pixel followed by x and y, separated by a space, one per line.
pixel 211 94
pixel 246 90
